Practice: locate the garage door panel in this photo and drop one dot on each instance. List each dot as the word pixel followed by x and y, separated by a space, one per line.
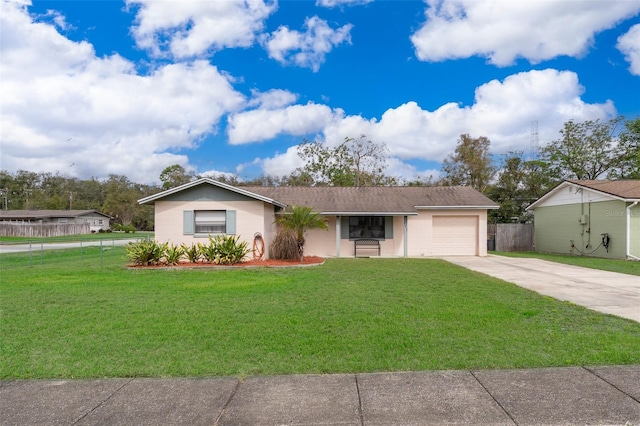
pixel 455 235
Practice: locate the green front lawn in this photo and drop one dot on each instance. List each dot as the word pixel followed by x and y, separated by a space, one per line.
pixel 614 265
pixel 70 317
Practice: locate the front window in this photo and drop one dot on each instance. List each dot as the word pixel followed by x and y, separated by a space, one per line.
pixel 210 222
pixel 366 227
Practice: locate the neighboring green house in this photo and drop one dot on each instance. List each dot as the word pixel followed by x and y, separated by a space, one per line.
pixel 599 218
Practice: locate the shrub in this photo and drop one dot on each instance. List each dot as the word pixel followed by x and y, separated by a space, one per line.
pixel 229 249
pixel 124 228
pixel 173 254
pixel 285 245
pixel 208 252
pixel 192 252
pixel 224 250
pixel 145 252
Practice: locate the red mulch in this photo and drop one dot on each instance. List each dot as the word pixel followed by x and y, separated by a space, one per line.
pixel 269 263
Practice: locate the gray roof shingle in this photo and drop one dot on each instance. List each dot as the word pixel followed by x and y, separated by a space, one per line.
pixel 382 199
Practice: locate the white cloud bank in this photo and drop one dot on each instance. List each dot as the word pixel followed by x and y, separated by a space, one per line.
pixel 504 30
pixel 306 49
pixel 629 45
pixel 61 105
pixel 502 110
pixel 337 3
pixel 191 28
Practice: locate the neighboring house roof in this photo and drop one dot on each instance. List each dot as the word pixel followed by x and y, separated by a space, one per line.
pixel 355 200
pixel 46 214
pixel 625 190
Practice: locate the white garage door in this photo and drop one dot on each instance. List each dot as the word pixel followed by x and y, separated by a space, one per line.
pixel 455 235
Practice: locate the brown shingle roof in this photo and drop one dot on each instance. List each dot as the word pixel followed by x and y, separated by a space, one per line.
pixel 375 199
pixel 628 189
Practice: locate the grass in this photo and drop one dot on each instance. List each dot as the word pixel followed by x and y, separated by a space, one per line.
pixel 73 238
pixel 80 317
pixel 613 265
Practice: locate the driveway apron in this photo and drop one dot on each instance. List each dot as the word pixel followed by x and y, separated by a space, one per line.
pixel 603 291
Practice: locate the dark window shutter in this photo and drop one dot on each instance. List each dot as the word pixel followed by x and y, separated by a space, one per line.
pixel 344 227
pixel 388 227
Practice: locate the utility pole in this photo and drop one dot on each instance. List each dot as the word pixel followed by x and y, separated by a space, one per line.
pixel 27 192
pixel 70 199
pixel 535 140
pixel 5 193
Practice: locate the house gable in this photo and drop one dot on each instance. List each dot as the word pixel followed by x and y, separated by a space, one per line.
pixel 590 191
pixel 207 193
pixel 572 194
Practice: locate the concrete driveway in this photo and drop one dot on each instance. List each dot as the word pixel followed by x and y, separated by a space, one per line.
pixel 607 292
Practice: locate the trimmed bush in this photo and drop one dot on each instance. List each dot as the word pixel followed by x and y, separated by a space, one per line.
pixel 192 252
pixel 173 254
pixel 146 252
pixel 224 250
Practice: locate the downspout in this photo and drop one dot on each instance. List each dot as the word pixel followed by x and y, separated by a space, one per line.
pixel 629 207
pixel 406 234
pixel 338 234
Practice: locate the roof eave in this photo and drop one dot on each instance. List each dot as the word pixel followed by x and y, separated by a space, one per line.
pixel 367 213
pixel 494 207
pixel 576 185
pixel 155 197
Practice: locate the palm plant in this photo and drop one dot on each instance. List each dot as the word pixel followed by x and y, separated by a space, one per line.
pixel 299 219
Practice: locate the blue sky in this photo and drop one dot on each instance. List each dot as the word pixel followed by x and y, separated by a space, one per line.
pixel 92 88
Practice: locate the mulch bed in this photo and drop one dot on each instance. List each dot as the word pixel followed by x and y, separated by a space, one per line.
pixel 269 263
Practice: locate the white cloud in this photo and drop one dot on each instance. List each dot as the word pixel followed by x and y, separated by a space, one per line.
pixel 264 124
pixel 306 49
pixel 504 30
pixel 61 104
pixel 502 111
pixel 281 164
pixel 334 3
pixel 192 28
pixel 272 99
pixel 629 45
pixel 213 174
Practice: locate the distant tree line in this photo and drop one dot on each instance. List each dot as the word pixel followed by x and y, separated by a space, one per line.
pixel 586 150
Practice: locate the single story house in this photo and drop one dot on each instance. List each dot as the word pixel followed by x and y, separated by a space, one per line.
pixel 97 221
pixel 401 221
pixel 599 218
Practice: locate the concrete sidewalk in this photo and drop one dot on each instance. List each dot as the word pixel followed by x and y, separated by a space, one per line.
pixel 602 291
pixel 549 396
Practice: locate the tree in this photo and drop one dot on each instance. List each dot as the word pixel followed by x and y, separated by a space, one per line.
pixel 628 151
pixel 299 219
pixel 355 162
pixel 120 200
pixel 173 176
pixel 470 164
pixel 585 151
pixel 519 184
